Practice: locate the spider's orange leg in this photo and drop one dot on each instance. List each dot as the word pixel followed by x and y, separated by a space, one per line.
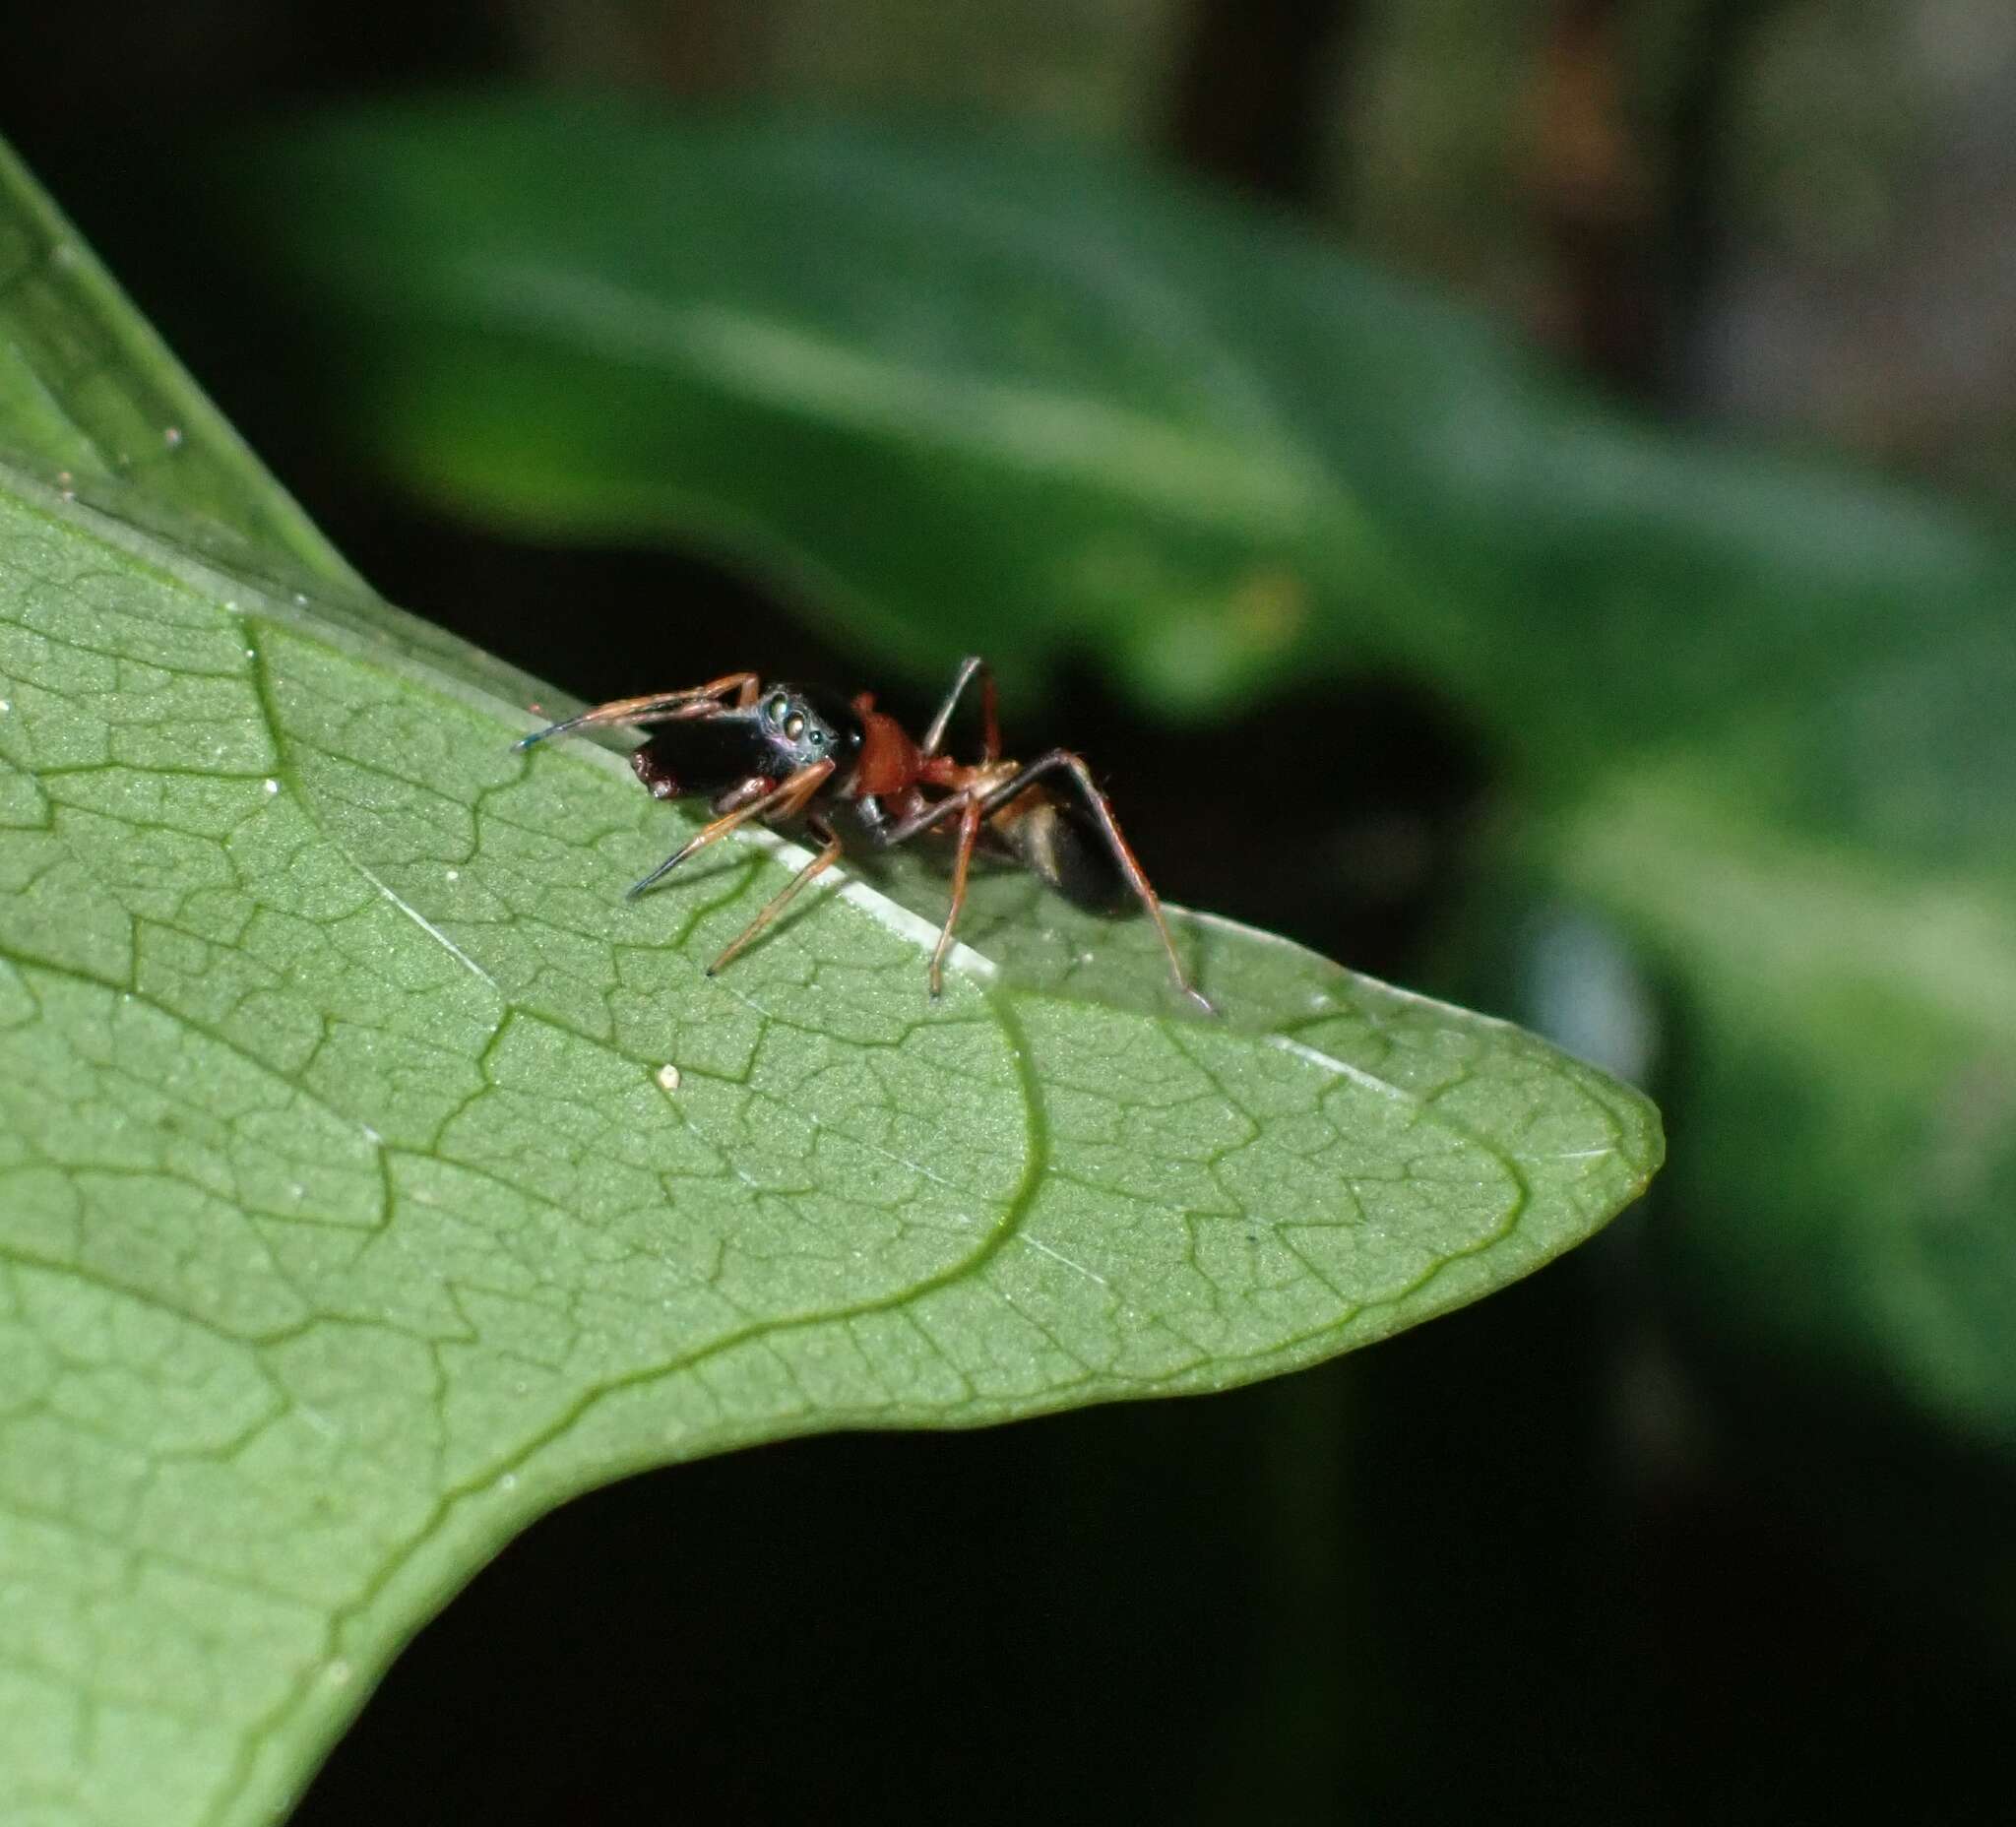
pixel 777 903
pixel 969 835
pixel 787 799
pixel 1122 852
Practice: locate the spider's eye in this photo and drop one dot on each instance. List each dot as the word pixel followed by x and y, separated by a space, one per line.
pixel 818 738
pixel 794 726
pixel 777 706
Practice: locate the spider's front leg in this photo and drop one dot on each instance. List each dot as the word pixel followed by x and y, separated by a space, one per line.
pixel 658 707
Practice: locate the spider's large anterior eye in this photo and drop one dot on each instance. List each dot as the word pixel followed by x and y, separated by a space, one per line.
pixel 777 706
pixel 794 726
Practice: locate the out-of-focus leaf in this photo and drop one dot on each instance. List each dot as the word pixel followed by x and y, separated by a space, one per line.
pixel 971 391
pixel 1851 1043
pixel 373 1175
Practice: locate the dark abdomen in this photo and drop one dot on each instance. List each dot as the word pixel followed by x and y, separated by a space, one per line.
pixel 1058 840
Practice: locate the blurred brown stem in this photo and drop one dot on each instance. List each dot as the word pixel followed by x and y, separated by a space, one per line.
pixel 1628 203
pixel 1597 200
pixel 1252 90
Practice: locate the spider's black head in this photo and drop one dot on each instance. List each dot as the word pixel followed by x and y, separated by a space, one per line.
pixel 801 724
pixel 789 727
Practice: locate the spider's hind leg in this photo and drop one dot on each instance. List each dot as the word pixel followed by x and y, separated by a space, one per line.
pixel 1065 760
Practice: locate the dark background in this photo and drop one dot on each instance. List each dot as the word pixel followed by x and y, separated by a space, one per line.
pixel 1525 1564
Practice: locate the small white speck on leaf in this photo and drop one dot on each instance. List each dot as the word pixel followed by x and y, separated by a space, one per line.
pixel 455 875
pixel 509 1482
pixel 171 436
pixel 273 786
pixel 668 1078
pixel 338 1673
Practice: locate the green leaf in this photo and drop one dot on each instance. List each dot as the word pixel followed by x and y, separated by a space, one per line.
pixel 375 1176
pixel 965 383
